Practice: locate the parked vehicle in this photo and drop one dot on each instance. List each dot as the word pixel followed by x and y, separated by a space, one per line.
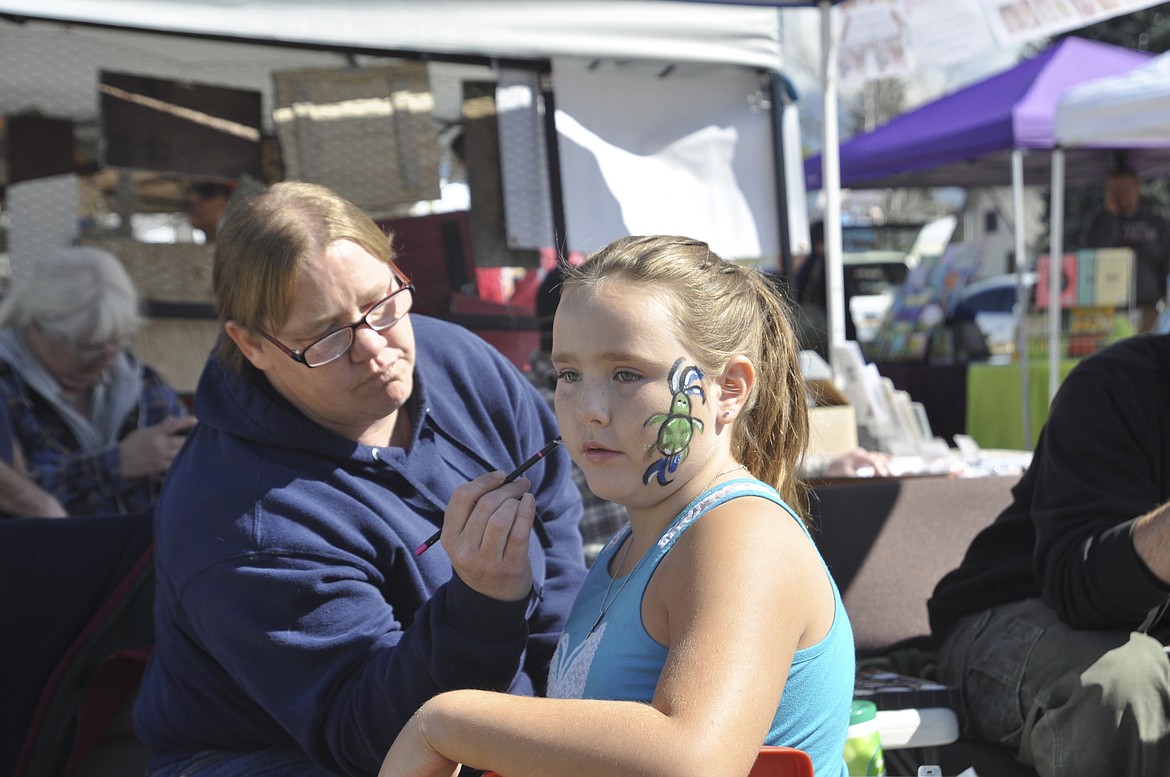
pixel 872 278
pixel 874 275
pixel 991 304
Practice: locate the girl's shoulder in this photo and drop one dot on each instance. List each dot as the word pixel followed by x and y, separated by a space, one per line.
pixel 747 523
pixel 745 554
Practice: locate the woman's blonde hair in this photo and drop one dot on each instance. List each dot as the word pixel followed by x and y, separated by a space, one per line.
pixel 724 310
pixel 266 240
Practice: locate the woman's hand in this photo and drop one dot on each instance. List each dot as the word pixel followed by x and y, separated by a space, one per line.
pixel 859 463
pixel 150 450
pixel 486 531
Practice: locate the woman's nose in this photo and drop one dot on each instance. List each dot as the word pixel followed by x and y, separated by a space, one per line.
pixel 367 343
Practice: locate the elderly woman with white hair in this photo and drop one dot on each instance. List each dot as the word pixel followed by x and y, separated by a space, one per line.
pixel 97 428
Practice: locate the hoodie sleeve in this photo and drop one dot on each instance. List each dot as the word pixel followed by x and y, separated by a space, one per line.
pixel 327 663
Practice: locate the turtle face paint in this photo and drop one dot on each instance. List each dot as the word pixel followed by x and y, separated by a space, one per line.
pixel 678 426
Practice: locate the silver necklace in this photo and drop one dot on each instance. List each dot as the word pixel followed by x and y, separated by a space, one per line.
pixel 721 474
pixel 606 602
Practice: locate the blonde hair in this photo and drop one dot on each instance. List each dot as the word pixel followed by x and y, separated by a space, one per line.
pixel 724 310
pixel 83 295
pixel 264 242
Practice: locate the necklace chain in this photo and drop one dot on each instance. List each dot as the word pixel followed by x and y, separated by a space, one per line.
pixel 606 602
pixel 721 474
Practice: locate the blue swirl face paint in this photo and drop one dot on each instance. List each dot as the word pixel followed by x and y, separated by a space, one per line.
pixel 676 428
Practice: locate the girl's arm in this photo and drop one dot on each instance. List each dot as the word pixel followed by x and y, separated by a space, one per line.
pixel 736 597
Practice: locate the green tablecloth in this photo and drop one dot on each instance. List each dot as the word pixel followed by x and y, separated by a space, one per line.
pixel 994 418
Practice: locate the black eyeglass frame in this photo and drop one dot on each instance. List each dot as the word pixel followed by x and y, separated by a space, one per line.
pixel 298 355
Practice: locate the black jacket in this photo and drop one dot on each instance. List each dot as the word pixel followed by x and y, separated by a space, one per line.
pixel 1102 460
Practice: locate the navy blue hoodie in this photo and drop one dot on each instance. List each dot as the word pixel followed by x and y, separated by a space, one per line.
pixel 291 609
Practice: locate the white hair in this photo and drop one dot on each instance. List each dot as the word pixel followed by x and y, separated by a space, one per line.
pixel 83 295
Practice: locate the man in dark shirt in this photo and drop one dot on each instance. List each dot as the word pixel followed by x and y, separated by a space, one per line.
pixel 1128 222
pixel 1053 626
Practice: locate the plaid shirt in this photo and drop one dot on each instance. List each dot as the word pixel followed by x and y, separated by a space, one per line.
pixel 86 483
pixel 601 517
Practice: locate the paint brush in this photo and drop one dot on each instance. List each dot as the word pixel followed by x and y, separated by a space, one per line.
pixel 527 465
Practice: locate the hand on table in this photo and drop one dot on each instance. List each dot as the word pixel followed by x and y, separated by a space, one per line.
pixel 859 463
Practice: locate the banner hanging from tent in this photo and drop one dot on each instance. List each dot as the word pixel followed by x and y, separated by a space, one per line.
pixel 887 38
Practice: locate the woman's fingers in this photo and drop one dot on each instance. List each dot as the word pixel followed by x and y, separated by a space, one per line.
pixel 486 532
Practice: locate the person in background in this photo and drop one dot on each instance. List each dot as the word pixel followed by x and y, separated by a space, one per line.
pixel 298 626
pixel 1128 221
pixel 206 202
pixel 710 626
pixel 19 496
pixel 812 297
pixel 1053 625
pixel 98 429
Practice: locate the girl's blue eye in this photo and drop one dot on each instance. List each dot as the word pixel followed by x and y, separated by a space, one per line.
pixel 626 376
pixel 567 376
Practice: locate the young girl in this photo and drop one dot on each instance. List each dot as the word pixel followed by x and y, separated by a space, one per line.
pixel 708 626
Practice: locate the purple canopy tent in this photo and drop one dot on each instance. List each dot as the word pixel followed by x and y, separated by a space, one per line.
pixel 966 138
pixel 982 135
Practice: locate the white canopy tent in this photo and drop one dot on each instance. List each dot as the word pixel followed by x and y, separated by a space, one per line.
pixel 503 29
pixel 736 32
pixel 1130 112
pixel 696 39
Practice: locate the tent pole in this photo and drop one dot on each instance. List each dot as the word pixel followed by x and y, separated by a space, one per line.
pixel 1021 296
pixel 831 183
pixel 553 150
pixel 1055 269
pixel 782 97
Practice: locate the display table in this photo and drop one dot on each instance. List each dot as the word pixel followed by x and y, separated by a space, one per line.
pixel 994 415
pixel 941 388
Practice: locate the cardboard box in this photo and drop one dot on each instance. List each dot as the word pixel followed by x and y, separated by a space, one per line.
pixel 832 430
pixel 832 421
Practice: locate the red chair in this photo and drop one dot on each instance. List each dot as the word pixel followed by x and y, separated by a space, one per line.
pixel 782 762
pixel 771 762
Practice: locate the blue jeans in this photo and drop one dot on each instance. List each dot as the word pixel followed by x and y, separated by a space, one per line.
pixel 273 762
pixel 1069 702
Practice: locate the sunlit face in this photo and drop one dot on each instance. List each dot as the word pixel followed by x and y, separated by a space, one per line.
pixel 358 394
pixel 614 351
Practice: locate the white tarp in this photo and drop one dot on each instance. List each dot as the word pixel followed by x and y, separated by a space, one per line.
pixel 1127 111
pixel 683 152
pixel 523 29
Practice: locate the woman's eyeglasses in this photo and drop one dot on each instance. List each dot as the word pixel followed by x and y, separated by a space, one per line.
pixel 332 346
